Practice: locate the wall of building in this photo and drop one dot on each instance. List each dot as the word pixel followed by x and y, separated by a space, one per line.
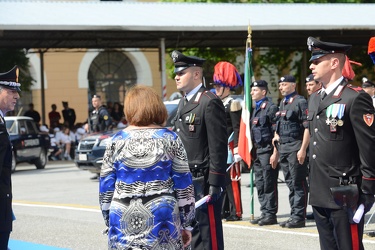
pixel 65 78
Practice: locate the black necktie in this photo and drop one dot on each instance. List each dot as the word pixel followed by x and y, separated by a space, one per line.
pixel 323 94
pixel 185 100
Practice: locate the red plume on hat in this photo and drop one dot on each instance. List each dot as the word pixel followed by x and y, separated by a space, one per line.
pixel 347 71
pixel 227 75
pixel 371 49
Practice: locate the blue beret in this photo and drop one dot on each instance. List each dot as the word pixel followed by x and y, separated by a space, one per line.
pixel 310 78
pixel 260 83
pixel 287 78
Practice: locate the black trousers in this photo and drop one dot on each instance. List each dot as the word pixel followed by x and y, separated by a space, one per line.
pixel 4 239
pixel 202 238
pixel 334 229
pixel 266 184
pixel 295 179
pixel 229 206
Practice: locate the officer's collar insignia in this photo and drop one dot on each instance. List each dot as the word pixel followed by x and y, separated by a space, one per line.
pixel 338 91
pixel 198 97
pixel 263 105
pixel 369 119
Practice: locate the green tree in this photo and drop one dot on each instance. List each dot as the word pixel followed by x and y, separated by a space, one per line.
pixel 212 57
pixel 12 57
pixel 277 60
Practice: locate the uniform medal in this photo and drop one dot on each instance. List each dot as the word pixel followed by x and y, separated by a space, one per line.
pixel 333 124
pixel 331 121
pixel 191 122
pixel 340 114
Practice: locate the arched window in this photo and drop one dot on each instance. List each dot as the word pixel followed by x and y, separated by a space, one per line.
pixel 111 73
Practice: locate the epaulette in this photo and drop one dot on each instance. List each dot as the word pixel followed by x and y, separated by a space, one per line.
pixel 207 93
pixel 355 88
pixel 235 105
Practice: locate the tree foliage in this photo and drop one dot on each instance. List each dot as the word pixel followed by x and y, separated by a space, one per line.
pixel 212 57
pixel 277 61
pixel 12 57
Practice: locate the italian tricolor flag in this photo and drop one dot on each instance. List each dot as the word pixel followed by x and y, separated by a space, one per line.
pixel 244 141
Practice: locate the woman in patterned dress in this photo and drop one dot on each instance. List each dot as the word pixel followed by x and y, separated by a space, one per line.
pixel 146 192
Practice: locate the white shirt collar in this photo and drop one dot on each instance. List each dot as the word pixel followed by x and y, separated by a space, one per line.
pixel 193 92
pixel 332 86
pixel 1 113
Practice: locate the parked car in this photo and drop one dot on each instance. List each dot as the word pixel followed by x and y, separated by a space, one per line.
pixel 29 144
pixel 90 151
pixel 172 111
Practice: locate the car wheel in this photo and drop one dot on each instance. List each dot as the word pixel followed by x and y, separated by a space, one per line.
pixel 41 162
pixel 14 162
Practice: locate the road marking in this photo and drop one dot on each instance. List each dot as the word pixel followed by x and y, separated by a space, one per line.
pixel 19 244
pixel 59 206
pixel 282 231
pixel 96 209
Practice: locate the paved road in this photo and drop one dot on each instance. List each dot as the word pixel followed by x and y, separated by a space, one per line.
pixel 58 207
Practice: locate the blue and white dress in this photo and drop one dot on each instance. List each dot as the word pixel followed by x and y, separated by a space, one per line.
pixel 146 193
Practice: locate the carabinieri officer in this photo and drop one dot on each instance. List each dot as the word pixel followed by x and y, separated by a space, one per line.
pixel 201 124
pixel 342 162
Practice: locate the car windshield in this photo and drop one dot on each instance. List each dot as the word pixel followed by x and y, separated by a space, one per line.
pixel 11 127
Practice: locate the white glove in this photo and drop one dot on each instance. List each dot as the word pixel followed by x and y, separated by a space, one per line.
pixel 237 158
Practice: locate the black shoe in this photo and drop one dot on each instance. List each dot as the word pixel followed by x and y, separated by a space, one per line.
pixel 295 223
pixel 256 220
pixel 282 224
pixel 224 216
pixel 233 218
pixel 94 177
pixel 310 216
pixel 268 220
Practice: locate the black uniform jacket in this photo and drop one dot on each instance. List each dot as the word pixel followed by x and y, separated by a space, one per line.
pixel 264 117
pixel 100 119
pixel 346 152
pixel 201 125
pixel 5 181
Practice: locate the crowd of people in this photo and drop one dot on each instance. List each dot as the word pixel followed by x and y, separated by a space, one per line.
pixel 65 133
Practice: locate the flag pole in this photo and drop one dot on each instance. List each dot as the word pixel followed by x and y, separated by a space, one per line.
pixel 249 46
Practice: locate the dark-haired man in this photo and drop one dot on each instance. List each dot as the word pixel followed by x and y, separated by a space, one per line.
pixel 262 129
pixel 312 85
pixel 69 115
pixel 291 141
